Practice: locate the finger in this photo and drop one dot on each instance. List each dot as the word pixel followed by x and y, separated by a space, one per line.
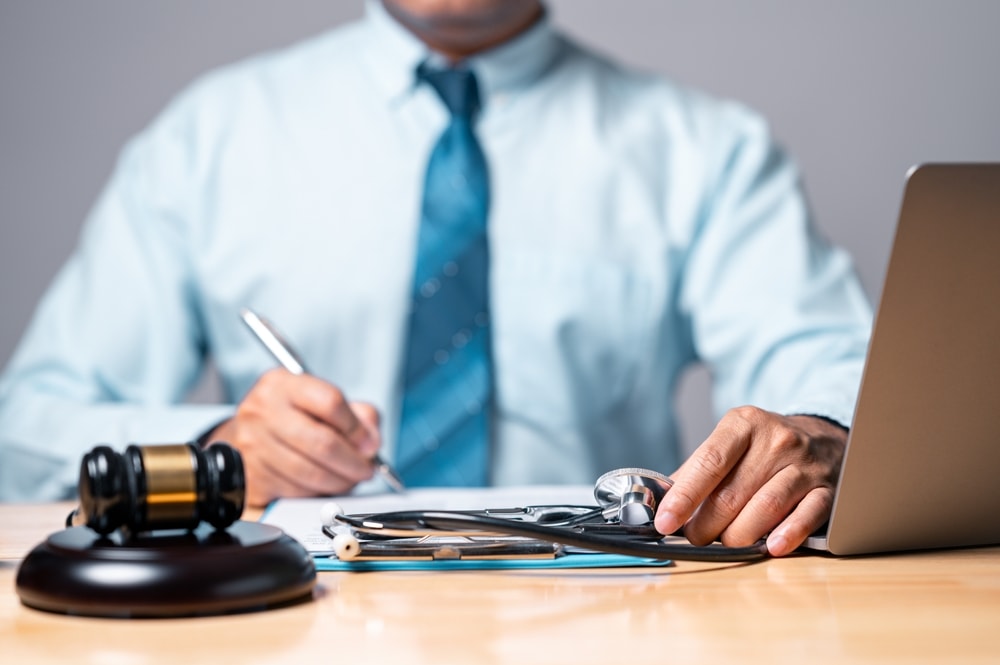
pixel 291 451
pixel 811 513
pixel 280 470
pixel 322 456
pixel 296 410
pixel 293 444
pixel 749 481
pixel 328 404
pixel 266 483
pixel 707 467
pixel 721 507
pixel 369 416
pixel 303 478
pixel 767 507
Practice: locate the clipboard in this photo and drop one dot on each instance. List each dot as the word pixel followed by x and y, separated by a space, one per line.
pixel 300 519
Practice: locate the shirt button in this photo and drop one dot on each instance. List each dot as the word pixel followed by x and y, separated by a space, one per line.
pixel 461 338
pixel 430 287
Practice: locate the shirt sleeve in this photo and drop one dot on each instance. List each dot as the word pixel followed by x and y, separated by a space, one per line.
pixel 117 341
pixel 778 314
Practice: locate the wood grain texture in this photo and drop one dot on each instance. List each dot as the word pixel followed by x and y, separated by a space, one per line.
pixel 932 607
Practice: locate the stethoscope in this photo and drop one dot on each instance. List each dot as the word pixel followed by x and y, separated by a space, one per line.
pixel 620 523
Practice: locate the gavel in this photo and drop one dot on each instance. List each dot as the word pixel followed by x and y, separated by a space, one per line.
pixel 150 487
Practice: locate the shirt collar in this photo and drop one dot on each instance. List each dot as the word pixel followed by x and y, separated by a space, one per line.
pixel 395 53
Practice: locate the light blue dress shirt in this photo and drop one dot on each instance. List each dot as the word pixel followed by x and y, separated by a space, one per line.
pixel 636 228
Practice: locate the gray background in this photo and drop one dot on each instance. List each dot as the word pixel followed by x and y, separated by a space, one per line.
pixel 856 90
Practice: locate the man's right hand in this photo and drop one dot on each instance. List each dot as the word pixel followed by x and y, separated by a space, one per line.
pixel 299 436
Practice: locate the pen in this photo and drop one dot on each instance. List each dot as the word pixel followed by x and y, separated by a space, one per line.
pixel 283 353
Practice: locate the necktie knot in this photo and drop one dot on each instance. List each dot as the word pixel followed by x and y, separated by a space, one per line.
pixel 457 88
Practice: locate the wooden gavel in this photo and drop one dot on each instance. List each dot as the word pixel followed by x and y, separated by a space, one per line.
pixel 150 487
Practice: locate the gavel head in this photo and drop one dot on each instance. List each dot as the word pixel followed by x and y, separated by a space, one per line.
pixel 175 486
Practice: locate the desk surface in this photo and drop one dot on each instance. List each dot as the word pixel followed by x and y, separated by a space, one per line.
pixel 913 608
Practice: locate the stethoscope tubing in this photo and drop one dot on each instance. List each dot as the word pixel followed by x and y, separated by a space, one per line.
pixel 445 521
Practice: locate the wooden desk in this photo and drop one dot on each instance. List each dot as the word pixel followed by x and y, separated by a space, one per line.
pixel 939 607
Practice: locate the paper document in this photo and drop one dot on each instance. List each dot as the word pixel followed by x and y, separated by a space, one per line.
pixel 300 518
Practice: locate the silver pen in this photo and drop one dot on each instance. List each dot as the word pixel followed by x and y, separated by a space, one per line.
pixel 283 353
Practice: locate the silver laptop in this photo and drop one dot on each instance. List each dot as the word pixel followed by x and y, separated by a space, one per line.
pixel 922 467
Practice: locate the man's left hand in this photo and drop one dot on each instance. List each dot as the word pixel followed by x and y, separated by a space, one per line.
pixel 758 474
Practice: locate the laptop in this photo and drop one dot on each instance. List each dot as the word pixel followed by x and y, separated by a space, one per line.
pixel 922 465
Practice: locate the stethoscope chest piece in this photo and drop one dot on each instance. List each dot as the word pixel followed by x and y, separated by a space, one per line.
pixel 631 495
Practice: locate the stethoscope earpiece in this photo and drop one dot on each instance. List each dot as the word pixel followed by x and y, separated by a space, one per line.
pixel 346 546
pixel 328 513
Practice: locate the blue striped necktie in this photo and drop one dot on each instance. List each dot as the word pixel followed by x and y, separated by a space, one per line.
pixel 448 380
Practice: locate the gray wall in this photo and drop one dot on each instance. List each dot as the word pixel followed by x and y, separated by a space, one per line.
pixel 857 90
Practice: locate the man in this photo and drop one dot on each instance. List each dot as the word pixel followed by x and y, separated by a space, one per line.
pixel 620 228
